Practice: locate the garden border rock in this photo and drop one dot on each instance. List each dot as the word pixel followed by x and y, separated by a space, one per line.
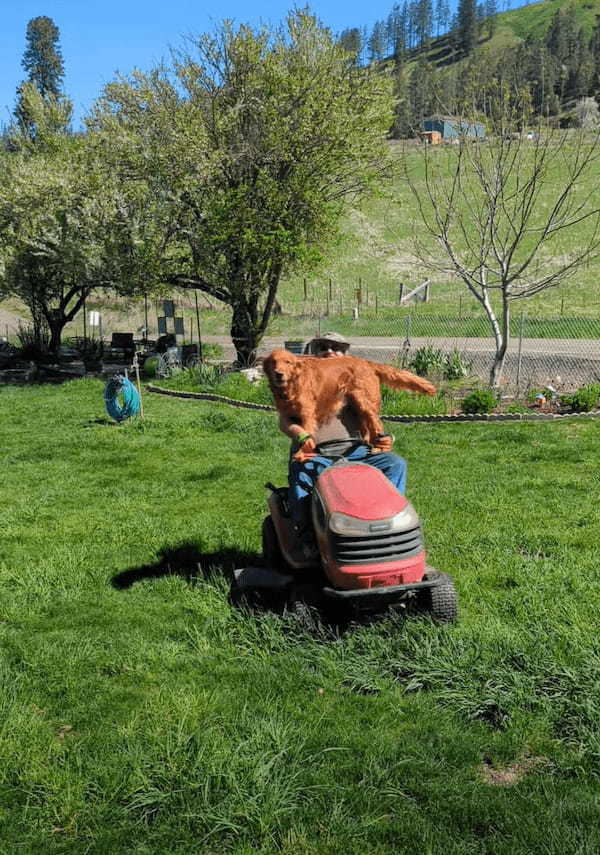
pixel 460 417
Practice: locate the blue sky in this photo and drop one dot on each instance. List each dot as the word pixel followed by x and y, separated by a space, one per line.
pixel 100 38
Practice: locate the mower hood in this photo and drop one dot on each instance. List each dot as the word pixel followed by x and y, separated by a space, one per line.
pixel 359 490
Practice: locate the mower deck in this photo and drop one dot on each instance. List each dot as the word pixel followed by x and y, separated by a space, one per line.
pixel 248 579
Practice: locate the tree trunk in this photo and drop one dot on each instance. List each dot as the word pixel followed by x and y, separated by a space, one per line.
pixel 501 337
pixel 244 335
pixel 498 366
pixel 56 322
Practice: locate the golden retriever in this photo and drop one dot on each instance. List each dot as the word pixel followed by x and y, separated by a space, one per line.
pixel 312 390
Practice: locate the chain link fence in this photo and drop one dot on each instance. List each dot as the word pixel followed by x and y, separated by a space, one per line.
pixel 563 352
pixel 555 349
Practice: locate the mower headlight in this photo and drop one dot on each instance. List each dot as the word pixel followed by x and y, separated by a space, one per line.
pixel 342 524
pixel 404 521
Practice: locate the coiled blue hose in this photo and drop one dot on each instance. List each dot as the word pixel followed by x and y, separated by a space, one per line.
pixel 131 399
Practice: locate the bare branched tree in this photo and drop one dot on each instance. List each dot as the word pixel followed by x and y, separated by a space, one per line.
pixel 510 215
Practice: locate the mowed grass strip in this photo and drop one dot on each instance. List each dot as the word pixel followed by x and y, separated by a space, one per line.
pixel 140 713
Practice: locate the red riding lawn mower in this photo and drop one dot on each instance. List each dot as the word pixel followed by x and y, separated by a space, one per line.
pixel 370 553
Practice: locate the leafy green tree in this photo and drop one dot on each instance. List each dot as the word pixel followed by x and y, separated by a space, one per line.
pixel 251 143
pixel 40 120
pixel 68 226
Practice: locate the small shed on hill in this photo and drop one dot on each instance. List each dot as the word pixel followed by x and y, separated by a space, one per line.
pixel 431 137
pixel 450 128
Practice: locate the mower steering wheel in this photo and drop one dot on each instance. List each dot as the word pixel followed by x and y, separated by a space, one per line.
pixel 352 444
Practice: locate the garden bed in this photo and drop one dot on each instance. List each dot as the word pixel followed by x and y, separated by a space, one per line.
pixel 218 382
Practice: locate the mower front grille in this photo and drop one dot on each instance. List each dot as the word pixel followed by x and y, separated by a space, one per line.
pixel 373 548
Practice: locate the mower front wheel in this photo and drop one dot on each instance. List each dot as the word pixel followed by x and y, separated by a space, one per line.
pixel 305 602
pixel 441 600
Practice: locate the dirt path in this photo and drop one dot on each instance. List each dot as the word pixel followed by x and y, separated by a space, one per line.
pixel 583 348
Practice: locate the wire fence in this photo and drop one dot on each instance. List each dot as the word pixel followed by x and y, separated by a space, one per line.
pixel 563 352
pixel 557 350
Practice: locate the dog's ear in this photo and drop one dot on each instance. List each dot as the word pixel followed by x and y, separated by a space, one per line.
pixel 289 364
pixel 269 364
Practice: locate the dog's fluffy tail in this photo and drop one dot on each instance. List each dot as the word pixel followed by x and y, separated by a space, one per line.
pixel 397 378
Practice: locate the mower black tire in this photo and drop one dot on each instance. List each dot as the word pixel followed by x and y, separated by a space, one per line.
pixel 244 598
pixel 441 600
pixel 305 603
pixel 272 555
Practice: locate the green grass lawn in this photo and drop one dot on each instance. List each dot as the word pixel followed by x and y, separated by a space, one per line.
pixel 140 713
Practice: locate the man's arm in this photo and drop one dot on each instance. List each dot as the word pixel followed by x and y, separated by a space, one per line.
pixel 294 431
pixel 290 427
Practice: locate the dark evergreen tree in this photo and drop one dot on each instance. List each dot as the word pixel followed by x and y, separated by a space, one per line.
pixel 595 55
pixel 445 80
pixel 392 30
pixel 563 34
pixel 467 25
pixel 351 40
pixel 442 16
pixel 404 24
pixel 581 70
pixel 364 40
pixel 403 127
pixel 377 42
pixel 43 62
pixel 42 59
pixel 423 22
pixel 411 23
pixel 491 20
pixel 422 97
pixel 540 71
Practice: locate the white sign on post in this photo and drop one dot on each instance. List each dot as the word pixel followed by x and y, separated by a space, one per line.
pixel 94 318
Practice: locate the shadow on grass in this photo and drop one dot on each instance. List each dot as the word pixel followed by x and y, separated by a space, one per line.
pixel 187 561
pixel 319 619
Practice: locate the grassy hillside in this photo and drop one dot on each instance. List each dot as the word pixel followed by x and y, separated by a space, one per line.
pixel 534 19
pixel 516 25
pixel 376 251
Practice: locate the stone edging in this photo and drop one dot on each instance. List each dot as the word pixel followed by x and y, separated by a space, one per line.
pixel 461 417
pixel 208 396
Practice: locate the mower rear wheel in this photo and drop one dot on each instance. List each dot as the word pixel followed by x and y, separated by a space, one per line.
pixel 442 600
pixel 271 549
